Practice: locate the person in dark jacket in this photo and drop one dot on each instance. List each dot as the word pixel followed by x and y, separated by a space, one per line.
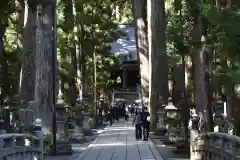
pixel 138 127
pixel 100 115
pixel 117 114
pixel 145 123
pixel 110 115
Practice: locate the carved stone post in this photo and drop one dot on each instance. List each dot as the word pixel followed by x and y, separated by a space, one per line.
pixel 26 118
pixel 39 134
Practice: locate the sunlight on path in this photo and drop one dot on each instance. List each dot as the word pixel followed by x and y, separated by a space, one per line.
pixel 117 142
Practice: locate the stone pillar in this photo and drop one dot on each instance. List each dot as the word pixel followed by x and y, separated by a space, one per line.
pixel 77 134
pixel 26 118
pixel 124 77
pixel 61 119
pixel 39 133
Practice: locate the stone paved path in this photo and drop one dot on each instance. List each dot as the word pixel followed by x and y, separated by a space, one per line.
pixel 117 142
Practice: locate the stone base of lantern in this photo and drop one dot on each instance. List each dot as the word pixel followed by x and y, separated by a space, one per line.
pixel 77 137
pixel 63 146
pixel 160 131
pixel 61 136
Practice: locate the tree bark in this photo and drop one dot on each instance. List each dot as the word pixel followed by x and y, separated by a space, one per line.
pixel 209 87
pixel 19 42
pixel 71 24
pixel 44 81
pixel 198 50
pixel 4 86
pixel 27 76
pixel 139 12
pixel 81 54
pixel 157 54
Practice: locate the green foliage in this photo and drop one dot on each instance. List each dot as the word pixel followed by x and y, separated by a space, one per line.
pixel 61 105
pixel 9 55
pixel 178 28
pixel 79 108
pixel 234 74
pixel 12 129
pixel 93 24
pixel 48 145
pixel 84 26
pixel 221 30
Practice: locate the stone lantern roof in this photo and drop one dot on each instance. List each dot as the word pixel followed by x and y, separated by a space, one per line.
pixel 170 106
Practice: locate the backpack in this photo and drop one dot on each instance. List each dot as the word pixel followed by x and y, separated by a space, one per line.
pixel 138 119
pixel 145 116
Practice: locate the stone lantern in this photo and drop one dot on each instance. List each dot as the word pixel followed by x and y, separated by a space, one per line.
pixel 173 122
pixel 160 118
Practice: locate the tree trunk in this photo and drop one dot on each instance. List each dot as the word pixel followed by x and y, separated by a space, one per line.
pixel 19 41
pixel 198 50
pixel 73 49
pixel 4 86
pixel 85 84
pixel 44 81
pixel 94 94
pixel 84 48
pixel 27 77
pixel 177 83
pixel 73 79
pixel 1 66
pixel 185 113
pixel 81 53
pixel 139 12
pixel 157 54
pixel 209 87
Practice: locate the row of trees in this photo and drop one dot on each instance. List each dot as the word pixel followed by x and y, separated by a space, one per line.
pixel 84 61
pixel 200 48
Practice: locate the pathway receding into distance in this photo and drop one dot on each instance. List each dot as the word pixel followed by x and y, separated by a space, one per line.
pixel 117 142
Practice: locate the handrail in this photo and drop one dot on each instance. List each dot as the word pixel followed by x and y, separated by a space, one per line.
pixel 219 135
pixel 215 146
pixel 12 145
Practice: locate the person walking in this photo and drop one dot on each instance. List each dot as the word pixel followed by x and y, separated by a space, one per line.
pixel 145 123
pixel 100 115
pixel 117 113
pixel 137 123
pixel 132 110
pixel 110 116
pixel 126 114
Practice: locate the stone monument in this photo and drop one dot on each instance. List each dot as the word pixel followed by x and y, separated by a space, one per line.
pixel 76 135
pixel 86 125
pixel 26 118
pixel 63 143
pixel 61 119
